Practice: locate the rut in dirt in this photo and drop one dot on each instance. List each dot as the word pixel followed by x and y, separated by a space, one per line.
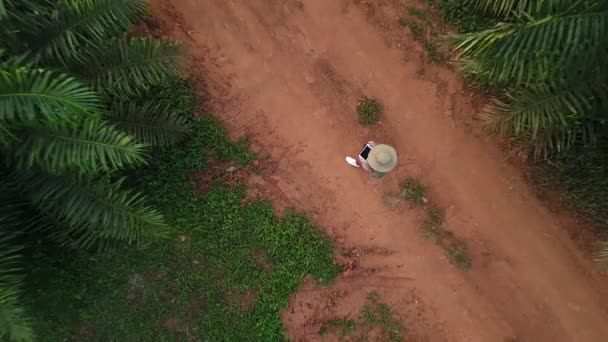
pixel 288 74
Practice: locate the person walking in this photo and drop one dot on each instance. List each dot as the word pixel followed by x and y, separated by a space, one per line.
pixel 375 158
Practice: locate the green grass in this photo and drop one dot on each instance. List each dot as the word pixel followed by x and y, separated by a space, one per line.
pixel 421 13
pixel 415 28
pixel 212 286
pixel 378 314
pixel 581 174
pixel 463 18
pixel 433 53
pixel 369 110
pixel 454 248
pixel 374 314
pixel 341 326
pixel 412 191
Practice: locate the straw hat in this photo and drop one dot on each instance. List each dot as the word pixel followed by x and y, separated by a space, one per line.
pixel 382 158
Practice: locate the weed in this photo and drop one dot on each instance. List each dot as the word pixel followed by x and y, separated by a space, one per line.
pixel 414 26
pixel 342 327
pixel 369 110
pixel 374 314
pixel 421 13
pixel 378 314
pixel 412 191
pixel 456 251
pixel 462 17
pixel 258 170
pixel 209 284
pixel 435 216
pixel 432 224
pixel 455 248
pixel 433 54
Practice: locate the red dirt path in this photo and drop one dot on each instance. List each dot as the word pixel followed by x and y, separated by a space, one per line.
pixel 288 73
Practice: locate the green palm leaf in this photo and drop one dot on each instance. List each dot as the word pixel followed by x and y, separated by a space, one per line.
pixel 535 50
pixel 551 116
pixel 129 66
pixel 151 123
pixel 3 11
pixel 74 24
pixel 506 8
pixel 14 323
pixel 602 255
pixel 27 93
pixel 96 209
pixel 86 146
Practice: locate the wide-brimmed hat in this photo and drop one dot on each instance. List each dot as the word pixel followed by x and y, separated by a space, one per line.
pixel 382 158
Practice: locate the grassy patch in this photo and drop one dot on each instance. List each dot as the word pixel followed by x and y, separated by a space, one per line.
pixel 455 249
pixel 462 17
pixel 421 13
pixel 374 315
pixel 341 326
pixel 378 314
pixel 225 274
pixel 369 110
pixel 433 53
pixel 412 191
pixel 414 26
pixel 578 180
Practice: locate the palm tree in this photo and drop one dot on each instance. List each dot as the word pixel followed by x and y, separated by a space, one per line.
pixel 552 57
pixel 73 114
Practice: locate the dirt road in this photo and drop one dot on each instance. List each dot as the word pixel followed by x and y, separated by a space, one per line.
pixel 288 73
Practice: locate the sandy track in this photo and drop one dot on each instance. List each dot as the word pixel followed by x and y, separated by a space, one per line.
pixel 288 73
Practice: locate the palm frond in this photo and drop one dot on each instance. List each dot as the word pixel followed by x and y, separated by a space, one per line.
pixel 126 67
pixel 28 93
pixel 84 146
pixel 96 209
pixel 602 254
pixel 534 50
pixel 14 323
pixel 151 123
pixel 74 24
pixel 3 11
pixel 549 116
pixel 507 8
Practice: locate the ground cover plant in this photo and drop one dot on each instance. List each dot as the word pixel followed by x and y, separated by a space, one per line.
pixel 225 272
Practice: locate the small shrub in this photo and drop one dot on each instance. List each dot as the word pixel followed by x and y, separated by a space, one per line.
pixel 421 13
pixel 412 191
pixel 433 222
pixel 342 327
pixel 433 54
pixel 369 110
pixel 456 251
pixel 414 27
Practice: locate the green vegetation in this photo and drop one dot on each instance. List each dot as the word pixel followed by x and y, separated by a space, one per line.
pixel 414 26
pixel 454 247
pixel 417 21
pixel 374 315
pixel 378 314
pixel 225 274
pixel 341 326
pixel 555 96
pixel 552 95
pixel 421 13
pixel 412 191
pixel 74 115
pixel 433 54
pixel 369 110
pixel 459 14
